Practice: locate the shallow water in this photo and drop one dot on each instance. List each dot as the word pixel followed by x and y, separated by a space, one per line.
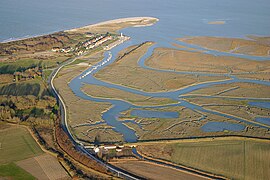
pixel 260 104
pixel 221 126
pixel 263 120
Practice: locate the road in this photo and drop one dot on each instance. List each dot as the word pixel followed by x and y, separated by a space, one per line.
pixel 78 145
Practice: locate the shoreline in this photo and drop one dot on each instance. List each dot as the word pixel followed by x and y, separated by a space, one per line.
pixel 113 21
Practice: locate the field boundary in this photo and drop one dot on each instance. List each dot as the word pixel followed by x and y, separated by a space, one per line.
pixel 199 139
pixel 189 169
pixel 180 167
pixel 39 144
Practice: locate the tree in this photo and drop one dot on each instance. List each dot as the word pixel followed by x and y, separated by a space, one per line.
pixel 55 109
pixel 36 112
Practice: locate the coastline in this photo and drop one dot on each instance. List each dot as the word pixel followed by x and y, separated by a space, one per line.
pixel 116 21
pixel 113 21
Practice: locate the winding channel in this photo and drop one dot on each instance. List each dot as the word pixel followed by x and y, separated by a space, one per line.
pixel 111 116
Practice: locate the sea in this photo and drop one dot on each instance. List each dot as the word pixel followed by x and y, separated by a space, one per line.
pixel 178 18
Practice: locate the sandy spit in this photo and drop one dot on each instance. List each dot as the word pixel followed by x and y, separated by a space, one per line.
pixel 115 21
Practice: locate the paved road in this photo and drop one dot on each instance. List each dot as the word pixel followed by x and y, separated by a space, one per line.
pixel 78 145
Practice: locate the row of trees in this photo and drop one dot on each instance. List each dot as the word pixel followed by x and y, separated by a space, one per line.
pixel 66 144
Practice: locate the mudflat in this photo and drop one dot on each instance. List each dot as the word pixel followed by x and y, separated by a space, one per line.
pixel 255 46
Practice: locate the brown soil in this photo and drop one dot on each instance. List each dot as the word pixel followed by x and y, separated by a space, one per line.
pixel 44 167
pixel 153 171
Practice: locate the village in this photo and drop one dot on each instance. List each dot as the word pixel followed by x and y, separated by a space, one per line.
pixel 109 152
pixel 94 41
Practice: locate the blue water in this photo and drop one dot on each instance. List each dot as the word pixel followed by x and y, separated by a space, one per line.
pixel 263 120
pixel 221 126
pixel 178 18
pixel 154 114
pixel 260 104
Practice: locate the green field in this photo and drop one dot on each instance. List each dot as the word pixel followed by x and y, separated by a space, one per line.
pixel 17 144
pixel 12 171
pixel 23 64
pixel 10 68
pixel 34 87
pixel 230 158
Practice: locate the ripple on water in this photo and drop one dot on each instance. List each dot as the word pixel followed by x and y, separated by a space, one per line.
pixel 221 126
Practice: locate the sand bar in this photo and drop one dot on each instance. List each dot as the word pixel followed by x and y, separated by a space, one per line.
pixel 144 21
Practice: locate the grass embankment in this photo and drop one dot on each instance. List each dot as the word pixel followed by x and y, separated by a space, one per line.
pixel 237 159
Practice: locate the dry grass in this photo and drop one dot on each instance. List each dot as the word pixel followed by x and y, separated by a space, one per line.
pixel 185 125
pixel 153 171
pixel 232 158
pixel 180 60
pixel 112 93
pixel 242 46
pixel 187 48
pixel 105 133
pixel 127 72
pixel 44 167
pixel 4 125
pixel 249 90
pixel 265 76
